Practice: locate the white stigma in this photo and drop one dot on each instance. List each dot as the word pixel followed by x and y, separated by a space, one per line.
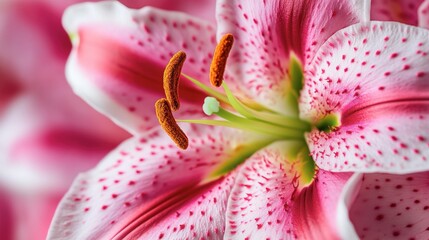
pixel 210 106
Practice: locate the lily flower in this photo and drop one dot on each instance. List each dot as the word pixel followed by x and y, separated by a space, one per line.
pixel 47 134
pixel 312 91
pixel 44 138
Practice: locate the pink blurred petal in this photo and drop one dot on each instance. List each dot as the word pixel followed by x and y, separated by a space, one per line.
pixel 404 11
pixel 33 213
pixel 267 32
pixel 6 219
pixel 53 146
pixel 117 196
pixel 392 207
pixel 125 82
pixel 375 78
pixel 9 88
pixel 423 14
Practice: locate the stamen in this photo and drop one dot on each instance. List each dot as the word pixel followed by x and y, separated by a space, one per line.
pixel 168 123
pixel 171 79
pixel 217 67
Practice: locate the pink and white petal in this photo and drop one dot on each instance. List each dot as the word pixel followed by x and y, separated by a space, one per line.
pixel 316 205
pixel 266 34
pixel 260 204
pixel 119 57
pixel 374 77
pixel 392 207
pixel 424 14
pixel 198 213
pixel 204 9
pixel 404 11
pixel 117 196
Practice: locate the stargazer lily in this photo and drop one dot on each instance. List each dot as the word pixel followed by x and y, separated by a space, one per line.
pixel 47 134
pixel 309 92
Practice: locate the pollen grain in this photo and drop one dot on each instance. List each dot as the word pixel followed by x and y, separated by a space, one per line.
pixel 171 79
pixel 217 67
pixel 168 123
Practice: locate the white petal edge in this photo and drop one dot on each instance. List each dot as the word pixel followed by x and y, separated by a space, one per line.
pixel 104 12
pixel 345 227
pixel 99 100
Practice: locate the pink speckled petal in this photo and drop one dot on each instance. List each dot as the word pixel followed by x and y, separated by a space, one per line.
pixel 424 14
pixel 194 213
pixel 404 11
pixel 316 206
pixel 144 185
pixel 266 201
pixel 119 57
pixel 375 77
pixel 391 206
pixel 267 32
pixel 260 204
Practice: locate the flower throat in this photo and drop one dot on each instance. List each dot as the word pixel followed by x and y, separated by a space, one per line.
pixel 236 113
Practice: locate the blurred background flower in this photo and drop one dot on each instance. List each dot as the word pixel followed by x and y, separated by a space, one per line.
pixel 47 134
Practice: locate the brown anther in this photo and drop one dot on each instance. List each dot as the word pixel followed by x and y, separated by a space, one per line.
pixel 171 79
pixel 168 123
pixel 217 67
